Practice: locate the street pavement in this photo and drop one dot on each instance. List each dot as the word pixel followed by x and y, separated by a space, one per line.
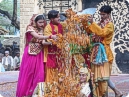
pixel 122 83
pixel 8 82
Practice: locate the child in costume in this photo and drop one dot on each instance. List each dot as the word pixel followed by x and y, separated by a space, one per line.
pixel 84 76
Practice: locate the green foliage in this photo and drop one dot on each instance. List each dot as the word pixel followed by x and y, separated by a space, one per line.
pixel 74 48
pixel 4 21
pixel 1 37
pixel 12 29
pixel 18 8
pixel 7 5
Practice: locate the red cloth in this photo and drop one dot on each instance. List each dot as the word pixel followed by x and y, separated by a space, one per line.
pixel 87 59
pixel 51 61
pixel 51 58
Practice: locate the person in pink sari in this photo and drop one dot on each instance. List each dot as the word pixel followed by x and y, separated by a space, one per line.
pixel 32 67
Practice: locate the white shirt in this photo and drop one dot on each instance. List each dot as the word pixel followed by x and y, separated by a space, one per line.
pixel 1 95
pixel 12 64
pixel 15 61
pixel 86 89
pixel 6 61
pixel 0 67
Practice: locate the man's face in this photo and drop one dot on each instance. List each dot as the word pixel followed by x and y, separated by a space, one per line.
pixel 18 54
pixel 104 15
pixel 56 20
pixel 83 77
pixel 6 54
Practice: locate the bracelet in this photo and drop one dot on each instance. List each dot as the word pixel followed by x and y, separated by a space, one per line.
pixel 50 37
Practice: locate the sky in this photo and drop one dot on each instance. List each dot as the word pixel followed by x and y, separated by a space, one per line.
pixel 0 0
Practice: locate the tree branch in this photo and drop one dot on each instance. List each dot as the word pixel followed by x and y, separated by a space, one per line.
pixel 15 22
pixel 6 14
pixel 122 47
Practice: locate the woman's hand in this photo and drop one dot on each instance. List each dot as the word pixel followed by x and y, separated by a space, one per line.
pixel 54 37
pixel 46 43
pixel 43 42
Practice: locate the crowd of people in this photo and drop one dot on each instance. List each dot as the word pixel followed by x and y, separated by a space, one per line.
pixel 39 62
pixel 8 63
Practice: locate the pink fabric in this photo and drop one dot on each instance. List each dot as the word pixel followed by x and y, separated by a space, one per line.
pixel 51 59
pixel 31 72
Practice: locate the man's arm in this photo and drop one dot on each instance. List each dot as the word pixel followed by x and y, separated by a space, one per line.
pixel 47 31
pixel 103 32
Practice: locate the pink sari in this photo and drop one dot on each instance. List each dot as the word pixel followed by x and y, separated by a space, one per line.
pixel 31 71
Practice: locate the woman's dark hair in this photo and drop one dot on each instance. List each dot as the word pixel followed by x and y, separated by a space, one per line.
pixel 106 9
pixel 53 14
pixel 39 17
